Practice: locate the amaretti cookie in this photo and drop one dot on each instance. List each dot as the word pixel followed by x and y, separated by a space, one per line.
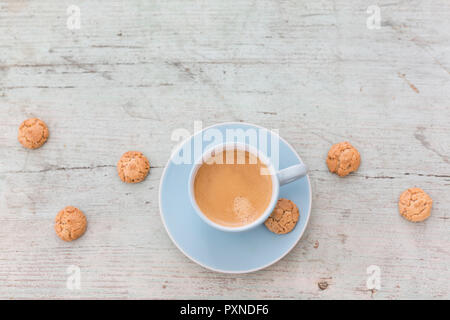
pixel 133 167
pixel 415 204
pixel 33 133
pixel 70 223
pixel 343 159
pixel 283 218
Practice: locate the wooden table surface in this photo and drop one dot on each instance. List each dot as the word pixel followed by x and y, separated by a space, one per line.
pixel 135 71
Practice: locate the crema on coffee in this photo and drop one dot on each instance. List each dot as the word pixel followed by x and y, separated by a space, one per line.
pixel 232 188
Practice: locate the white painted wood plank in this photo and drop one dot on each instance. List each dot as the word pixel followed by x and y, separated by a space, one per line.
pixel 137 70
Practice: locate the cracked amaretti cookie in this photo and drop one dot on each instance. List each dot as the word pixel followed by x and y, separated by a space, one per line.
pixel 70 223
pixel 415 204
pixel 133 167
pixel 343 158
pixel 33 133
pixel 283 218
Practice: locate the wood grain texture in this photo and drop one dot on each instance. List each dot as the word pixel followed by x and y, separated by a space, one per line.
pixel 137 70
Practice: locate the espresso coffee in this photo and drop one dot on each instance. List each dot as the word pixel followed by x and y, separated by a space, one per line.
pixel 232 188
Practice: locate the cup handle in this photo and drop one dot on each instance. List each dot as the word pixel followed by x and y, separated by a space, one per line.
pixel 292 173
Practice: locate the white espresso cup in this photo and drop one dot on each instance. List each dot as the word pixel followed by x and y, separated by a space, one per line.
pixel 278 178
